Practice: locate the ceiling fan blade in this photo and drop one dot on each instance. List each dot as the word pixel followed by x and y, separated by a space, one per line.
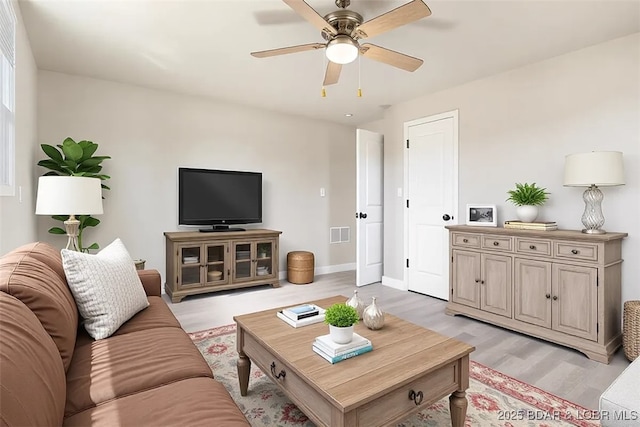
pixel 287 50
pixel 308 13
pixel 405 14
pixel 332 74
pixel 390 57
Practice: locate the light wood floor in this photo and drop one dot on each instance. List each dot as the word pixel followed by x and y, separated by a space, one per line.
pixel 553 368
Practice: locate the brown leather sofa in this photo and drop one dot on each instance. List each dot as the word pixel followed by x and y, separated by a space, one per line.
pixel 53 373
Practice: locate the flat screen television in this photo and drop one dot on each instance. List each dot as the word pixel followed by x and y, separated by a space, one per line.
pixel 219 198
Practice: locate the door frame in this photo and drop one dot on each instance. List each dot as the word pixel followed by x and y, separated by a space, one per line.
pixel 453 114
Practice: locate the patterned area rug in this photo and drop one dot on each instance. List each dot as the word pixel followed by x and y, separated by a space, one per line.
pixel 494 399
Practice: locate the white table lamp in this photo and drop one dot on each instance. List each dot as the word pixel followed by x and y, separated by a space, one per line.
pixel 69 195
pixel 593 170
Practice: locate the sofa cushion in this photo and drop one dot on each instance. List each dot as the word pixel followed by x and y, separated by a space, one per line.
pixel 124 364
pixel 106 287
pixel 32 273
pixel 32 382
pixel 192 402
pixel 157 315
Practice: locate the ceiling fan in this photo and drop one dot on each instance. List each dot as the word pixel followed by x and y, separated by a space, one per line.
pixel 342 31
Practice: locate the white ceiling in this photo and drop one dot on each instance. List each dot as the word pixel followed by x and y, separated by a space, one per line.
pixel 202 47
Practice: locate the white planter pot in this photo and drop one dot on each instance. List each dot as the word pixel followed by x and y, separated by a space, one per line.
pixel 527 213
pixel 341 335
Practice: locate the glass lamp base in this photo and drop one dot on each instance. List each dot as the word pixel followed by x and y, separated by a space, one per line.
pixel 592 218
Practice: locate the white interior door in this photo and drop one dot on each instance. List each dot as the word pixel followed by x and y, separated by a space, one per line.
pixel 431 188
pixel 369 194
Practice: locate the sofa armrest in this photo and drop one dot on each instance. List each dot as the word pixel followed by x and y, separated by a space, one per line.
pixel 151 281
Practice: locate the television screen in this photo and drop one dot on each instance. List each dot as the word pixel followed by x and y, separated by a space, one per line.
pixel 219 197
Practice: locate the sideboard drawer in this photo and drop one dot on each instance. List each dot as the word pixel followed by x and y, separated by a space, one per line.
pixel 533 246
pixel 500 243
pixel 466 240
pixel 572 250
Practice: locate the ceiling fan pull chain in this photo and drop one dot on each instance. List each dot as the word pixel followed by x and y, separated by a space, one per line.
pixel 359 79
pixel 323 92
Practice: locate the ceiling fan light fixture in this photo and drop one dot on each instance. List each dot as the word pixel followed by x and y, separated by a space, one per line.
pixel 342 50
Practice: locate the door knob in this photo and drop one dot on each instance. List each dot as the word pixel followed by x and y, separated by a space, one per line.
pixel 363 215
pixel 446 217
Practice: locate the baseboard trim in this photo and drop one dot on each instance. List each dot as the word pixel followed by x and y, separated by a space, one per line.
pixel 393 283
pixel 338 268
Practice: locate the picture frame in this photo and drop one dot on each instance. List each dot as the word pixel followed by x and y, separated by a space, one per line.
pixel 482 215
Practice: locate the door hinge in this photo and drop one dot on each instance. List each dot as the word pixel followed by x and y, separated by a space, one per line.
pixel 452 291
pixel 407 143
pixel 451 258
pixel 597 281
pixel 407 202
pixel 597 328
pixel 407 262
pixel 176 280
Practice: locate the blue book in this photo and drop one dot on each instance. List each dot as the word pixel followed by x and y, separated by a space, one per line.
pixel 336 359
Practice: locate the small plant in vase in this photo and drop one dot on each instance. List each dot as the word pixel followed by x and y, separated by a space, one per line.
pixel 341 318
pixel 527 198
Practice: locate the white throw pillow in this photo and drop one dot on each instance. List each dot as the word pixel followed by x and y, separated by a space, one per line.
pixel 106 287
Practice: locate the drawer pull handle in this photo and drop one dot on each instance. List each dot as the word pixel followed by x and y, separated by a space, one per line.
pixel 532 247
pixel 279 375
pixel 555 298
pixel 548 296
pixel 575 251
pixel 465 240
pixel 416 397
pixel 496 243
pixel 477 280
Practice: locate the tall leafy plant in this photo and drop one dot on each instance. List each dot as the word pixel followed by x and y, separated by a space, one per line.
pixel 75 159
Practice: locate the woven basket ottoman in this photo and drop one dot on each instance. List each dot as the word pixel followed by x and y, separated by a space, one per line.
pixel 300 265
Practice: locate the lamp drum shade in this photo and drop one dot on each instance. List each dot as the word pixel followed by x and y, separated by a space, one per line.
pixel 69 195
pixel 600 168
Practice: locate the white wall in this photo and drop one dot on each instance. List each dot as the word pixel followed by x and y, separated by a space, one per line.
pixel 17 219
pixel 149 133
pixel 519 125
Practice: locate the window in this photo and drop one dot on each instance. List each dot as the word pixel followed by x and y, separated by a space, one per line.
pixel 7 98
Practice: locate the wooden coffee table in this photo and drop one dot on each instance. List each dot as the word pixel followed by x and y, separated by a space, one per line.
pixel 409 368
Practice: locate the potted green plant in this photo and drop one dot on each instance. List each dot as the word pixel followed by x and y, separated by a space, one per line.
pixel 527 198
pixel 341 318
pixel 73 158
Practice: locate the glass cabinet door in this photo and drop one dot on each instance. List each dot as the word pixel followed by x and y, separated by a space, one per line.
pixel 264 258
pixel 215 265
pixel 190 262
pixel 243 261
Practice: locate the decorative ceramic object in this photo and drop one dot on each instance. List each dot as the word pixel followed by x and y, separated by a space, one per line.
pixel 356 303
pixel 527 213
pixel 341 335
pixel 373 316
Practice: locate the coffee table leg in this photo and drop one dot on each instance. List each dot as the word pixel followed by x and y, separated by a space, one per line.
pixel 244 367
pixel 458 408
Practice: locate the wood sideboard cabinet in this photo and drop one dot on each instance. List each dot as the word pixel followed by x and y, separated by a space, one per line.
pixel 562 286
pixel 208 262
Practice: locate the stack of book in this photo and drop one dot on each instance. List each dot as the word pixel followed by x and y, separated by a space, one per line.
pixel 334 353
pixel 302 315
pixel 540 226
